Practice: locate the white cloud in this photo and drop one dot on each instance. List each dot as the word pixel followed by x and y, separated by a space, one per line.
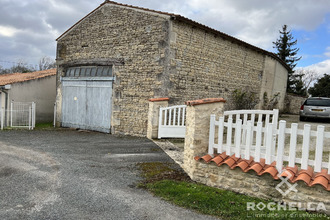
pixel 320 68
pixel 258 21
pixel 254 21
pixel 327 52
pixel 7 31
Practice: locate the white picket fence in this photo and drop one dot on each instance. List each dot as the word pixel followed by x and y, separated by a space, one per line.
pixel 246 140
pixel 263 116
pixel 20 115
pixel 172 122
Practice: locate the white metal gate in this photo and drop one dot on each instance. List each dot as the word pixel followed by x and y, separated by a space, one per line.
pixel 20 115
pixel 86 104
pixel 172 122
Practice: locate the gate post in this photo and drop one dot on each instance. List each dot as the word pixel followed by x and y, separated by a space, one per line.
pixel 198 114
pixel 153 115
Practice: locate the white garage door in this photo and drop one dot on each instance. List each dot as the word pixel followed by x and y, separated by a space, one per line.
pixel 86 102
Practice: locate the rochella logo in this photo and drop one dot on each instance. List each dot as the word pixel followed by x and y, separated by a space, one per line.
pixel 284 180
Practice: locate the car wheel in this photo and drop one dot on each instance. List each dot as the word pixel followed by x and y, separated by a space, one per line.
pixel 301 118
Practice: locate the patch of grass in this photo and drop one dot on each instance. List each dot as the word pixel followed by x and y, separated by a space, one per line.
pixel 165 180
pixel 156 171
pixel 45 125
pixel 217 202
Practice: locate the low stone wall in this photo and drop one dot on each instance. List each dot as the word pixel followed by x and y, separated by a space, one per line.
pixel 258 186
pixel 293 104
pixel 249 183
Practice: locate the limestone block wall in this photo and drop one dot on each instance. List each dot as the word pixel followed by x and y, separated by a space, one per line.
pixel 293 103
pixel 206 65
pixel 138 41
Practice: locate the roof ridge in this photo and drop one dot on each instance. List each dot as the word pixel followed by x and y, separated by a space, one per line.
pixel 22 77
pixel 189 21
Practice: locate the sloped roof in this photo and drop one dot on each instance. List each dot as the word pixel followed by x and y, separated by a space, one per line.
pixel 191 22
pixel 22 77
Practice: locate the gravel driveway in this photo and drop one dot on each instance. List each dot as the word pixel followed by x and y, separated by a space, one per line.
pixel 67 174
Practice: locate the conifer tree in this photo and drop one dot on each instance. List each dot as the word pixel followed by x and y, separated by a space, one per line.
pixel 287 53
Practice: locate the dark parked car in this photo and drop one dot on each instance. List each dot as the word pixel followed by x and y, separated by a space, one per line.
pixel 316 107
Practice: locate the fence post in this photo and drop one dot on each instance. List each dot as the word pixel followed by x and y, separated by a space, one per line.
pixel 238 135
pixel 229 136
pixel 319 148
pixel 211 135
pixel 248 143
pixel 54 123
pixel 220 135
pixel 269 143
pixel 258 141
pixel 197 129
pixel 33 115
pixel 2 109
pixel 293 144
pixel 11 114
pixel 153 115
pixel 30 117
pixel 305 148
pixel 280 146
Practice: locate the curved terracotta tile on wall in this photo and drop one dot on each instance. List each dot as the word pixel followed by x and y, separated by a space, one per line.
pixel 321 180
pixel 207 158
pixel 272 171
pixel 303 177
pixel 260 168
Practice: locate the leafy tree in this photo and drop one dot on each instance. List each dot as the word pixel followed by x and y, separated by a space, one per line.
pixel 322 87
pixel 287 53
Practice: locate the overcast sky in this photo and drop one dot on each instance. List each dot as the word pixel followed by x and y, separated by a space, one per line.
pixel 28 28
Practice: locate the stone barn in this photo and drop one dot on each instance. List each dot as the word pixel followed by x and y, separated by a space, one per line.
pixel 112 61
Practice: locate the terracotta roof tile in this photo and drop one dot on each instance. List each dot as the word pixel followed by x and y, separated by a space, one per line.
pixel 290 172
pixel 11 78
pixel 321 180
pixel 158 99
pixel 303 177
pixel 207 158
pixel 323 173
pixel 270 170
pixel 204 101
pixel 243 164
pixel 309 177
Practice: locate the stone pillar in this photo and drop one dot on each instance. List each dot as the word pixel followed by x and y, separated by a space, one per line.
pixel 153 115
pixel 197 129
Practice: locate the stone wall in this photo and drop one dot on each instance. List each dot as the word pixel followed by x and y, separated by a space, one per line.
pixel 137 38
pixel 257 186
pixel 206 65
pixel 293 104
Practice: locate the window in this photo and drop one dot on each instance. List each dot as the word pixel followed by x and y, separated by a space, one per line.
pixel 317 102
pixel 89 71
